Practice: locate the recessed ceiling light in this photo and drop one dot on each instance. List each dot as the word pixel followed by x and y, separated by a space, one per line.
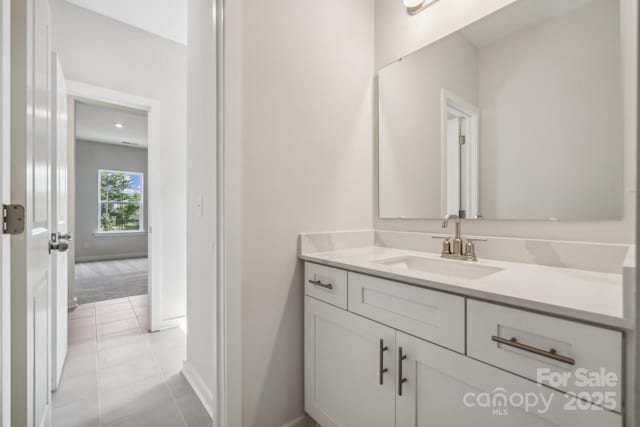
pixel 119 125
pixel 417 6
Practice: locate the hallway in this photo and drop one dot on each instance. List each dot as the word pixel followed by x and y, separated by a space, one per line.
pixel 103 280
pixel 118 374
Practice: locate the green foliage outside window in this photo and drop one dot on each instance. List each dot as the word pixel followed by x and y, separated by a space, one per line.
pixel 120 201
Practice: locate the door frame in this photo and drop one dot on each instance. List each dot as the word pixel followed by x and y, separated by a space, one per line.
pixel 5 195
pixel 84 92
pixel 472 114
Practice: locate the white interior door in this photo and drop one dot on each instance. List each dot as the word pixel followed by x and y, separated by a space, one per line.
pixel 30 161
pixel 60 221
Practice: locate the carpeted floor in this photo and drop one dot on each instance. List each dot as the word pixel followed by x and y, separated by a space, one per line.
pixel 103 280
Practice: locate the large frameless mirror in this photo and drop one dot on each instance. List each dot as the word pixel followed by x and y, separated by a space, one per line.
pixel 517 116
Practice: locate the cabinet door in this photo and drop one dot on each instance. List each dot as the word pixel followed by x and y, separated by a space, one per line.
pixel 446 389
pixel 343 362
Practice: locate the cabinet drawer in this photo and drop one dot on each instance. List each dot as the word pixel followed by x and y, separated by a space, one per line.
pixel 559 353
pixel 434 316
pixel 327 284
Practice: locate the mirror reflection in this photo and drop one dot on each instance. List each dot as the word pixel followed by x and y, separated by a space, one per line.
pixel 517 116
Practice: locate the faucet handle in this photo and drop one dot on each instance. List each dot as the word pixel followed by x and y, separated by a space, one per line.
pixel 470 249
pixel 446 246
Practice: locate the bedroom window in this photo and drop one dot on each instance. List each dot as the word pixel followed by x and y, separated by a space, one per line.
pixel 120 199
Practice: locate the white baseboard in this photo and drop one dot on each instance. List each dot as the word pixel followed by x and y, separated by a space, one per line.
pixel 109 257
pixel 197 383
pixel 301 421
pixel 168 324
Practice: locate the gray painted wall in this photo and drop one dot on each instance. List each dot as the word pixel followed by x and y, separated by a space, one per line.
pixel 90 157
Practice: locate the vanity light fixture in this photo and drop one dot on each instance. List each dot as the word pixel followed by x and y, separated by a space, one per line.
pixel 119 125
pixel 416 6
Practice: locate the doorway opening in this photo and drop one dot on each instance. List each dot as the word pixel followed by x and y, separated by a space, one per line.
pixel 460 138
pixel 111 204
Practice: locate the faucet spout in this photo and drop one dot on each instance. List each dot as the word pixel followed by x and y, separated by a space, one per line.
pixel 456 218
pixel 457 249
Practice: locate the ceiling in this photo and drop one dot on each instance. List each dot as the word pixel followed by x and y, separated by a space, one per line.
pixel 165 18
pixel 98 123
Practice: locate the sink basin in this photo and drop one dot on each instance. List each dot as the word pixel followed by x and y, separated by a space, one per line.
pixel 461 269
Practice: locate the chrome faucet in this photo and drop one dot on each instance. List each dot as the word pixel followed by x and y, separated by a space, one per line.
pixel 458 249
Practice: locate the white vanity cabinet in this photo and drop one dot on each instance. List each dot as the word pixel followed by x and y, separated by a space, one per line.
pixel 345 359
pixel 446 389
pixel 372 371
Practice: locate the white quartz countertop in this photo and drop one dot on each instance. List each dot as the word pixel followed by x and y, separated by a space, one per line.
pixel 588 296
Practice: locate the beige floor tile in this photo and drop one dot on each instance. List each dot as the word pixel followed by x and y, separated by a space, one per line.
pixel 194 414
pixel 110 308
pixel 82 347
pixel 163 414
pixel 122 375
pixel 81 333
pixel 75 388
pixel 134 399
pixel 129 354
pixel 80 314
pixel 118 375
pixel 81 413
pixel 82 322
pixel 116 315
pixel 79 364
pixel 117 326
pixel 121 338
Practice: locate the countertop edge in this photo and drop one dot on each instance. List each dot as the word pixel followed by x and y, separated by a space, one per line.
pixel 529 305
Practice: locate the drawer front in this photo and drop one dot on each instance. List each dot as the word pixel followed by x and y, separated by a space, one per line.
pixel 327 284
pixel 566 355
pixel 431 315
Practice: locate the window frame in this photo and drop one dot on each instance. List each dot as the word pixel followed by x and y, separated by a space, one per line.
pixel 141 229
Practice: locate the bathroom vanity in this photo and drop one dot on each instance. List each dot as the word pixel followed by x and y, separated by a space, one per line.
pixel 398 337
pixel 518 124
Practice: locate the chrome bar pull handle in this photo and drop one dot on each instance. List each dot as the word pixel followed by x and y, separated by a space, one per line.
pixel 551 354
pixel 401 378
pixel 382 370
pixel 322 285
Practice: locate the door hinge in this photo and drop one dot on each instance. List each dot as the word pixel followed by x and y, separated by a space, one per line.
pixel 12 219
pixel 462 139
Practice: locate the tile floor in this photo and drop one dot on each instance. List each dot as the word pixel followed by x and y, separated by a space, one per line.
pixel 117 374
pixel 105 280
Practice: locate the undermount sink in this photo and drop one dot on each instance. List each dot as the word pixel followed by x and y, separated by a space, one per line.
pixel 461 269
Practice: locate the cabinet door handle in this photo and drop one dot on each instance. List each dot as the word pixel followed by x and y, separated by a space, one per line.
pixel 551 354
pixel 401 378
pixel 382 349
pixel 322 285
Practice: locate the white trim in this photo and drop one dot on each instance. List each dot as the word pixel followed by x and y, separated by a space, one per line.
pixel 228 339
pixel 472 112
pixel 5 194
pixel 199 387
pixel 94 94
pixel 170 323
